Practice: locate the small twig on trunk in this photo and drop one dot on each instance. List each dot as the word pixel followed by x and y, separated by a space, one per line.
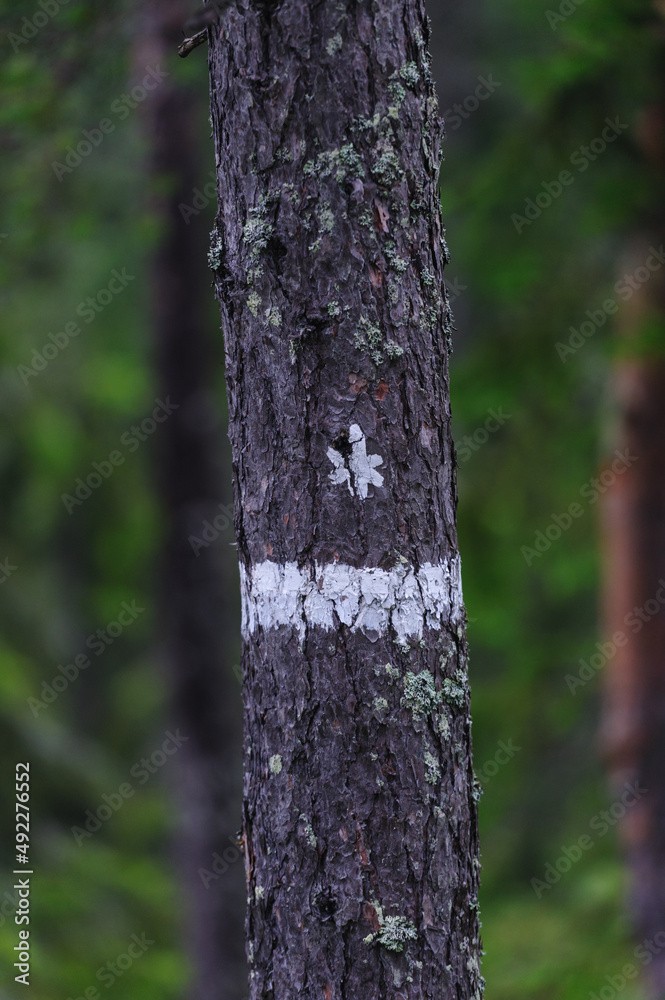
pixel 189 44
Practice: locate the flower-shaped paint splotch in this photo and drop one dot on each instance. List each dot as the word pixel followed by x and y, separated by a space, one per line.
pixel 358 471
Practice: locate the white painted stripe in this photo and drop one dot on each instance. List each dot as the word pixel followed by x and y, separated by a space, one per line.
pixel 369 600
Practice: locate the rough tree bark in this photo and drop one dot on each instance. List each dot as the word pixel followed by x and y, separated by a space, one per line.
pixel 198 611
pixel 360 831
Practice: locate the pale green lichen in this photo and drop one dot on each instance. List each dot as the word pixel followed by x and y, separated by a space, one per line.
pixel 309 831
pixel 366 219
pixel 334 310
pixel 454 691
pixel 393 350
pixel 397 92
pixel 393 672
pixel 432 769
pixel 420 694
pixel 428 278
pixel 341 162
pixel 259 893
pixel 431 317
pixel 253 303
pixel 395 933
pixel 274 316
pixel 215 251
pixel 368 337
pixel 334 44
pixel 350 159
pixel 396 262
pixel 386 165
pixel 410 74
pixel 380 705
pixel 326 217
pixel 364 124
pixel 444 727
pixel 256 233
pixel 276 764
pixel 253 274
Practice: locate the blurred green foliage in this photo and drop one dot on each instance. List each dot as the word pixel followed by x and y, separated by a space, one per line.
pixel 66 403
pixel 529 624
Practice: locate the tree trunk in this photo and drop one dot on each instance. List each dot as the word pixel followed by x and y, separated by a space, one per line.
pixel 633 734
pixel 633 729
pixel 360 832
pixel 197 580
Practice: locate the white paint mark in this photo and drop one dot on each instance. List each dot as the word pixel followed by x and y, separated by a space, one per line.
pixel 361 465
pixel 370 600
pixel 340 473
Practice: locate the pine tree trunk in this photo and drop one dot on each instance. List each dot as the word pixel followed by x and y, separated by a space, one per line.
pixel 360 831
pixel 196 580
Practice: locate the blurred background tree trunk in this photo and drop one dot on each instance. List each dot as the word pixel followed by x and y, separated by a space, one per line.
pixel 199 605
pixel 633 732
pixel 360 827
